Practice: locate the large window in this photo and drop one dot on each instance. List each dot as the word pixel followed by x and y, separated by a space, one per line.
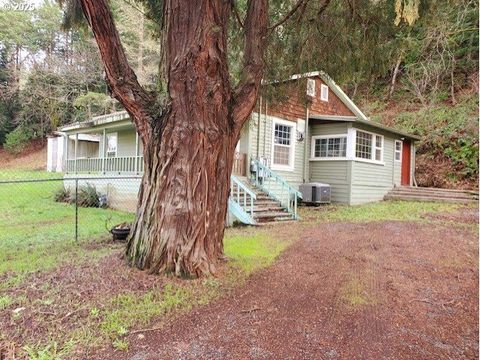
pixel 369 146
pixel 329 147
pixel 283 149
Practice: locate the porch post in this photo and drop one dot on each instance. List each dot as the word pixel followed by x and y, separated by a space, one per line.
pixel 76 152
pixel 65 157
pixel 104 140
pixel 136 153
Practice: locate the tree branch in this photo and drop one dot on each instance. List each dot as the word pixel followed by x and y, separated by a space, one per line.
pixel 246 92
pixel 120 76
pixel 288 15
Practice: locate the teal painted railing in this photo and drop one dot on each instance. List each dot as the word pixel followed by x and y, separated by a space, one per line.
pixel 276 187
pixel 240 203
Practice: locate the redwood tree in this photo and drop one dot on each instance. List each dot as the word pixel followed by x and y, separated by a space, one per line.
pixel 190 130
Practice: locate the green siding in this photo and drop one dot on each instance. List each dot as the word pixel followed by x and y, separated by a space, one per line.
pixel 294 177
pixel 332 172
pixel 126 143
pixel 371 182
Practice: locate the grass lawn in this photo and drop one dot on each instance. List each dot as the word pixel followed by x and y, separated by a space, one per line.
pixel 37 232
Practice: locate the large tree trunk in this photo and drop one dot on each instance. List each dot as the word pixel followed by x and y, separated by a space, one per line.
pixel 189 138
pixel 183 199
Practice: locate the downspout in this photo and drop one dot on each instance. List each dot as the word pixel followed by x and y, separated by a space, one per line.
pixel 259 125
pixel 305 147
pixel 265 129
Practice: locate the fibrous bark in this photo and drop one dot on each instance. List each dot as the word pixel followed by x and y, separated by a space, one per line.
pixel 188 140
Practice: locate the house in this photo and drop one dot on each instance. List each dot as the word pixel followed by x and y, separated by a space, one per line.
pixel 311 131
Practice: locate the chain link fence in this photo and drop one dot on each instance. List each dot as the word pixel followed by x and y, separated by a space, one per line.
pixel 41 213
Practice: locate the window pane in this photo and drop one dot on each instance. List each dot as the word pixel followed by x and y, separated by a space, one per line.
pixel 331 147
pixel 398 145
pixel 281 155
pixel 378 141
pixel 282 134
pixel 397 155
pixel 378 154
pixel 363 148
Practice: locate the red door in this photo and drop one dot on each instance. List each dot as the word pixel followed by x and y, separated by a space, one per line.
pixel 406 163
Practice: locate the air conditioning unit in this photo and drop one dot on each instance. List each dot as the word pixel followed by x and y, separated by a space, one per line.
pixel 316 193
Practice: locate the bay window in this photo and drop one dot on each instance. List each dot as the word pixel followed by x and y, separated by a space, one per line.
pixel 368 146
pixel 329 147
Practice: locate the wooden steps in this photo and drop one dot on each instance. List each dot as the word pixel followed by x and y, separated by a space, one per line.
pixel 266 209
pixel 432 194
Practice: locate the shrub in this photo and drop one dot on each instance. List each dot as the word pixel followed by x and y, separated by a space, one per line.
pixel 17 140
pixel 62 195
pixel 88 196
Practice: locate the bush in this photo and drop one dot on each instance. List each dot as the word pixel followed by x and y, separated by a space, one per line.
pixel 87 196
pixel 17 140
pixel 62 195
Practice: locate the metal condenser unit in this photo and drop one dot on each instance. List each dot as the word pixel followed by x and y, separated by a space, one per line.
pixel 317 193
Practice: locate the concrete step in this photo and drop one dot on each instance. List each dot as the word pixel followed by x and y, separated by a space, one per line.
pixel 474 192
pixel 429 198
pixel 433 193
pixel 269 217
pixel 257 209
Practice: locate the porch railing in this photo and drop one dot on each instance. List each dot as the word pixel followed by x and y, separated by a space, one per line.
pixel 121 164
pixel 241 201
pixel 276 187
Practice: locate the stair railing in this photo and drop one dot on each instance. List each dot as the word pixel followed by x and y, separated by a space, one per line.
pixel 243 200
pixel 276 187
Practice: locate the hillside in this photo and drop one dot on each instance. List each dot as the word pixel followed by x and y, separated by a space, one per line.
pixel 447 155
pixel 34 157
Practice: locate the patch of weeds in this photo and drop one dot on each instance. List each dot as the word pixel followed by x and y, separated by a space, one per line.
pixel 354 294
pixel 5 301
pixel 121 345
pixel 94 312
pixel 127 310
pixel 378 211
pixel 49 352
pixel 253 252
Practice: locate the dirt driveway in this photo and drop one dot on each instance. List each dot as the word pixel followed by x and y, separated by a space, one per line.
pixel 386 290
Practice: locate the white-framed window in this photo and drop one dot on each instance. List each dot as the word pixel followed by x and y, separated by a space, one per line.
pixel 398 150
pixel 323 92
pixel 329 147
pixel 369 146
pixel 283 145
pixel 311 87
pixel 112 142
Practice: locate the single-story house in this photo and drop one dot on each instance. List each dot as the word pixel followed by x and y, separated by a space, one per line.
pixel 309 130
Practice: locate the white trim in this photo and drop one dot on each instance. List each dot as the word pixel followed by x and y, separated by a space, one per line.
pixel 324 92
pixel 334 136
pixel 370 161
pixel 293 139
pixel 374 148
pixel 395 150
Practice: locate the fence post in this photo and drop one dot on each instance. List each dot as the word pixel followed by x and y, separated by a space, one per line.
pixel 76 209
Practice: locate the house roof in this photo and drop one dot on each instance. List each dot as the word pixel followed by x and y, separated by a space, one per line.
pixel 359 117
pixel 96 121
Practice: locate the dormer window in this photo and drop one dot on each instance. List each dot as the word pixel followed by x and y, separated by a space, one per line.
pixel 324 92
